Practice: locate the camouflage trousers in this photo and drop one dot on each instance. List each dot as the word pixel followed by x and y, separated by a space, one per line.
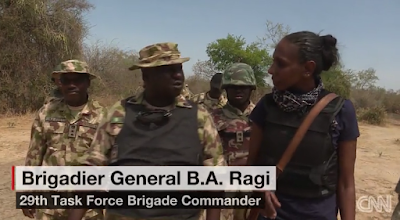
pixel 60 214
pixel 396 212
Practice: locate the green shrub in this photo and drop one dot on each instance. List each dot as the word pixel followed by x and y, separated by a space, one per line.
pixel 376 115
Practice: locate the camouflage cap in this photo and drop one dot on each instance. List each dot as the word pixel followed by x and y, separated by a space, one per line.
pixel 160 54
pixel 239 74
pixel 72 66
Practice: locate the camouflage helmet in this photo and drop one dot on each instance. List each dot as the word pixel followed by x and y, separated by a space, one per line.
pixel 72 66
pixel 238 74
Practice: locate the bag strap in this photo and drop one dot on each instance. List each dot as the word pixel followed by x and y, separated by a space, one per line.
pixel 302 130
pixel 297 138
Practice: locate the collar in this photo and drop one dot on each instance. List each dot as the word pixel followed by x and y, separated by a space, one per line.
pixel 237 111
pixel 180 101
pixel 63 109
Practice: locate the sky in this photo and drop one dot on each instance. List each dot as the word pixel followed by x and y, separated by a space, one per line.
pixel 368 31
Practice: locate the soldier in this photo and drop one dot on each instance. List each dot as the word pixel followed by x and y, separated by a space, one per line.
pixel 214 98
pixel 55 93
pixel 232 120
pixel 164 114
pixel 63 129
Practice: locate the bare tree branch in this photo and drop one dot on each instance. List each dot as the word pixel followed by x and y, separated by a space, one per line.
pixel 274 33
pixel 204 69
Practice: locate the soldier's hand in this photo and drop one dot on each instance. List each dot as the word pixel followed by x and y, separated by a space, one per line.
pixel 29 213
pixel 271 203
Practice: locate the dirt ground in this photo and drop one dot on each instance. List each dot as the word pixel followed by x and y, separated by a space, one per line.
pixel 377 166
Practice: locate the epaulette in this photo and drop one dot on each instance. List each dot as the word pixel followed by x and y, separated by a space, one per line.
pixel 199 98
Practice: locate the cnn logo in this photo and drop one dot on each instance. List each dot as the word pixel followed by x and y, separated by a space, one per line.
pixel 369 204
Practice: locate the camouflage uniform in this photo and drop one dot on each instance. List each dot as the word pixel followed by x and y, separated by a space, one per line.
pixel 186 92
pixel 233 124
pixel 208 102
pixel 103 150
pixel 58 138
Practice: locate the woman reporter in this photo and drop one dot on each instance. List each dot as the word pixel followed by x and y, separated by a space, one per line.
pixel 319 179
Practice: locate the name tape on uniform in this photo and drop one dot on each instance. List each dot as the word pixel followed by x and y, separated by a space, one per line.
pixel 159 178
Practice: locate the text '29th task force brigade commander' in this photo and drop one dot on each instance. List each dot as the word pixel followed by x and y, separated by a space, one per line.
pixel 177 131
pixel 63 129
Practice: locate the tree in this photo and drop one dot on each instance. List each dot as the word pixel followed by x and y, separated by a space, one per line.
pixel 338 81
pixel 35 36
pixel 111 64
pixel 274 33
pixel 232 49
pixel 204 69
pixel 365 79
